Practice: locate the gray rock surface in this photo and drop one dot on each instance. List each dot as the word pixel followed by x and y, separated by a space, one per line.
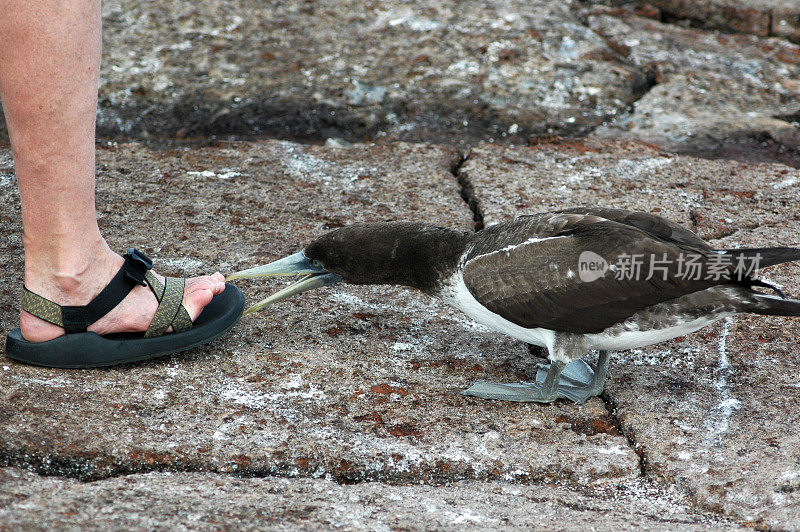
pixel 167 501
pixel 765 18
pixel 458 72
pixel 340 408
pixel 424 71
pixel 712 411
pixel 352 383
pixel 717 95
pixel 405 70
pixel 360 384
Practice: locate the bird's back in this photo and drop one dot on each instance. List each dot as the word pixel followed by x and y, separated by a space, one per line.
pixel 583 270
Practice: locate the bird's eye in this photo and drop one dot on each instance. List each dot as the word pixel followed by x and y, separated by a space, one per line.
pixel 317 264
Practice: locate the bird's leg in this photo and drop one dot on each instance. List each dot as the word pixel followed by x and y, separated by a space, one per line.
pixel 552 381
pixel 600 371
pixel 578 381
pixel 546 391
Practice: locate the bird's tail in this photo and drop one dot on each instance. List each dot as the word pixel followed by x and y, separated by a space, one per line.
pixel 757 258
pixel 768 305
pixel 763 257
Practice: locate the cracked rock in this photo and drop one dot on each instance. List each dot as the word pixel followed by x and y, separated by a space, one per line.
pixel 714 412
pixel 165 501
pixel 715 95
pixel 351 383
pixel 765 18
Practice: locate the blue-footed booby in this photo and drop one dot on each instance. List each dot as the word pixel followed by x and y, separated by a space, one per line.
pixel 571 281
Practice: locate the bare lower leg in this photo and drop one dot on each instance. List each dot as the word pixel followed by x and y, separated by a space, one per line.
pixel 50 57
pixel 49 69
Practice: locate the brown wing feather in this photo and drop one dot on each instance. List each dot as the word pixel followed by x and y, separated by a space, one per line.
pixel 528 283
pixel 651 224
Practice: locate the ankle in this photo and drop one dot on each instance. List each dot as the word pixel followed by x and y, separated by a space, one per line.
pixel 69 271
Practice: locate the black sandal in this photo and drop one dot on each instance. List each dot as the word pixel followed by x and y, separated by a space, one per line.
pixel 79 348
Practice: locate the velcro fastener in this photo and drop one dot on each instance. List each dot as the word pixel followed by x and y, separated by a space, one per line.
pixel 76 319
pixel 132 273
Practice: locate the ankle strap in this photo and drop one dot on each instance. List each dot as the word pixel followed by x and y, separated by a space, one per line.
pixel 78 318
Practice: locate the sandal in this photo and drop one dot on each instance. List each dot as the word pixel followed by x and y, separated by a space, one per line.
pixel 79 348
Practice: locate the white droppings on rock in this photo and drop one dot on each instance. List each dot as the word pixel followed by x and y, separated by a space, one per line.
pixel 633 168
pixel 293 382
pixel 225 173
pixel 180 46
pixel 718 418
pixel 790 475
pixel 54 382
pixel 467 517
pixel 172 371
pixel 465 66
pixel 789 181
pixel 365 94
pixel 252 400
pixel 303 166
pixel 617 449
pixel 337 142
pixel 402 346
pixel 259 400
pixel 186 264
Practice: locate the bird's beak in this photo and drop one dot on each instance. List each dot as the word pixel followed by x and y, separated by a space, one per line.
pixel 297 264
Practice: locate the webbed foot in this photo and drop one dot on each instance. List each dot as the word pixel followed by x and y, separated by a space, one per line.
pixel 576 381
pixel 520 392
pixel 544 391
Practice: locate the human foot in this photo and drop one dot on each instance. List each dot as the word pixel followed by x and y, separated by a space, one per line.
pixel 133 314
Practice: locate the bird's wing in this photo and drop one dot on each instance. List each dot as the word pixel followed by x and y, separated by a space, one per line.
pixel 539 281
pixel 651 224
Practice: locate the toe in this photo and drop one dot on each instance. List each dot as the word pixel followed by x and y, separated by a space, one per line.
pixel 200 291
pixel 220 283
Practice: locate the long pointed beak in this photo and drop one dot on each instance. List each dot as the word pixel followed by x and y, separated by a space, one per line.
pixel 308 282
pixel 297 264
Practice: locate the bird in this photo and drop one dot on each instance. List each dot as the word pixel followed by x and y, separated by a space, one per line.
pixel 572 281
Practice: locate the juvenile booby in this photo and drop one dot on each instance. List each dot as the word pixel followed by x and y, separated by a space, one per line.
pixel 571 281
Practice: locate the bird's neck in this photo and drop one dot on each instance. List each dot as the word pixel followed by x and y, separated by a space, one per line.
pixel 419 256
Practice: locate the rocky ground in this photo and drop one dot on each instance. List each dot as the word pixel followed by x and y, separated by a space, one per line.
pixel 341 408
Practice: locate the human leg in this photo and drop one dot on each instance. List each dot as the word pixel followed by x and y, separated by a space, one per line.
pixel 49 69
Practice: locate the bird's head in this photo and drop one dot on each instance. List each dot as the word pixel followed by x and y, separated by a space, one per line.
pixel 401 253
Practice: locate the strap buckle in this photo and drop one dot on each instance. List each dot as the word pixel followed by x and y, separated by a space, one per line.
pixel 136 266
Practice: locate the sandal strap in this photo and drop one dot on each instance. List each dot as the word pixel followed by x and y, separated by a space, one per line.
pixel 41 307
pixel 76 319
pixel 170 311
pixel 132 273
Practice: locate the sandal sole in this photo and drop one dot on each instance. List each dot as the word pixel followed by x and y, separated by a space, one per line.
pixel 90 350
